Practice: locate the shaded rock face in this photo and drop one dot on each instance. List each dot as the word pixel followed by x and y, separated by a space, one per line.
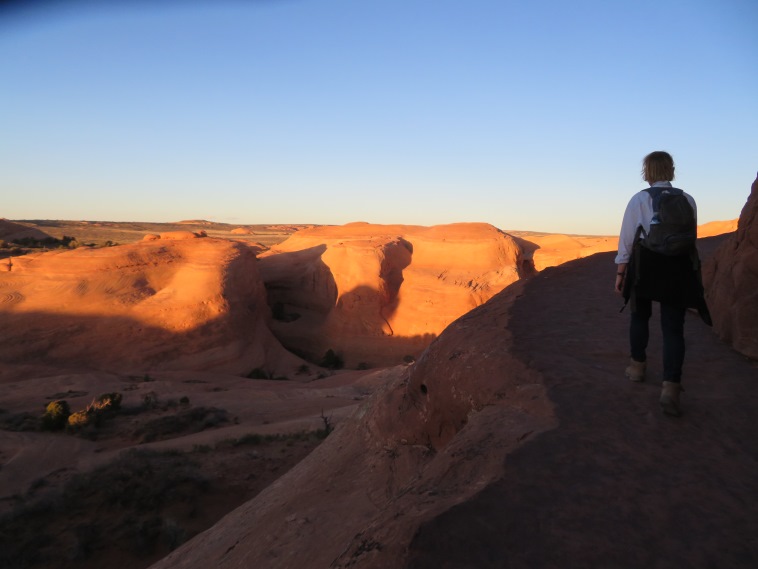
pixel 377 294
pixel 10 230
pixel 731 278
pixel 177 304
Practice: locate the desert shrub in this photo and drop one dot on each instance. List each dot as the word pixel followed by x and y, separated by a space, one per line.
pixel 184 422
pixel 409 359
pixel 107 402
pixel 184 401
pixel 258 373
pixel 328 427
pixel 363 365
pixel 93 415
pixel 23 421
pixel 303 370
pixel 150 400
pixel 56 415
pixel 250 439
pixel 331 360
pixel 81 419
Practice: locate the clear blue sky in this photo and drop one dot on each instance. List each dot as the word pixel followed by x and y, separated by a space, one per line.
pixel 526 115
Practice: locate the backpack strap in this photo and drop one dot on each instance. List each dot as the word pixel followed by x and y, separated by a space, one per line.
pixel 657 191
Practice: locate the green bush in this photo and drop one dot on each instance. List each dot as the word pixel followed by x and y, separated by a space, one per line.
pixel 56 415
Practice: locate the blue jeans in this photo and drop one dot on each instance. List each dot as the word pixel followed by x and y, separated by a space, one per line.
pixel 672 326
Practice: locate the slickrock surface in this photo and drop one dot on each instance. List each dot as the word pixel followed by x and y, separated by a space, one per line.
pixel 515 441
pixel 377 293
pixel 167 304
pixel 731 278
pixel 549 250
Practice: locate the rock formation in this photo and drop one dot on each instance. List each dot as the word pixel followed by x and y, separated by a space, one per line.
pixel 731 282
pixel 378 293
pixel 165 304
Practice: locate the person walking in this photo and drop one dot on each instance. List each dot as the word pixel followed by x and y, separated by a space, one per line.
pixel 657 260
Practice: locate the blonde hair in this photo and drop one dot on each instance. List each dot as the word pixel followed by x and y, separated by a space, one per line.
pixel 658 166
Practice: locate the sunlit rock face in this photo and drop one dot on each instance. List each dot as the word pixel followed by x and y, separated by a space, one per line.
pixel 163 304
pixel 376 294
pixel 731 282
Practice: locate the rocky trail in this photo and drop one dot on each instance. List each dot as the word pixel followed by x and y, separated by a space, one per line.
pixel 616 483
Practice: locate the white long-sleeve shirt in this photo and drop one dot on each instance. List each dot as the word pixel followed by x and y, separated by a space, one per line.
pixel 638 213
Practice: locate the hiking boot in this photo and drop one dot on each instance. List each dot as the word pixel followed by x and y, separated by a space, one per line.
pixel 670 398
pixel 635 371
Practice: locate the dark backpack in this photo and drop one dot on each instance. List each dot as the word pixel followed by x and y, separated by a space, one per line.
pixel 673 229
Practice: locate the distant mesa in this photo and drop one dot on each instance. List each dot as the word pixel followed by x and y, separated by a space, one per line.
pixel 175 235
pixel 242 231
pixel 729 276
pixel 194 222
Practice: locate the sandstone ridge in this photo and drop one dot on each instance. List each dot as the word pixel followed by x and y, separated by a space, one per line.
pixel 166 304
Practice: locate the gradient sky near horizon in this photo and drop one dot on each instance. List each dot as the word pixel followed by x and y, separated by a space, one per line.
pixel 526 115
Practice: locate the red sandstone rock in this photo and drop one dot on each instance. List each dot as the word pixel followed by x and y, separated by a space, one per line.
pixel 378 293
pixel 515 441
pixel 187 304
pixel 731 281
